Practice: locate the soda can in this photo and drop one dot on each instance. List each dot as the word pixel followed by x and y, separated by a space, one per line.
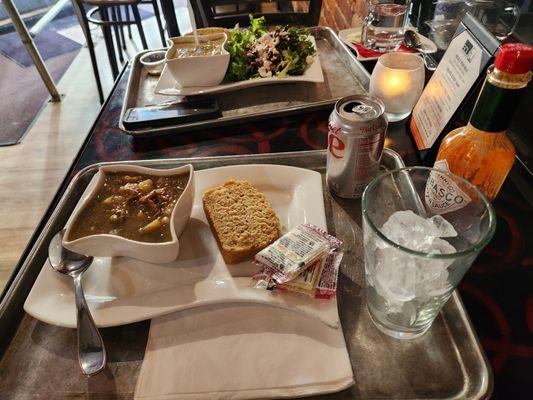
pixel 357 128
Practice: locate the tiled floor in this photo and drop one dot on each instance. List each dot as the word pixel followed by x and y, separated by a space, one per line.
pixel 33 170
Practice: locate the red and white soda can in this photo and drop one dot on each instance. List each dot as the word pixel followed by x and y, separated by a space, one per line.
pixel 357 128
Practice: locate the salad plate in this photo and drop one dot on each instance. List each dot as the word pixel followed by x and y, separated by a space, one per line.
pixel 169 87
pixel 122 290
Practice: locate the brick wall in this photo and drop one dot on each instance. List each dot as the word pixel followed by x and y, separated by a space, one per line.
pixel 342 14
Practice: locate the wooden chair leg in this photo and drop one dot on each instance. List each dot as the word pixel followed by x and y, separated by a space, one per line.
pixel 138 22
pixel 116 28
pixel 108 39
pixel 159 24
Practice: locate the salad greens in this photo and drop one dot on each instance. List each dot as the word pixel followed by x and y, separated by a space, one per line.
pixel 256 52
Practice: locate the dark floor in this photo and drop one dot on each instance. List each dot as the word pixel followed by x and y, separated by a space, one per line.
pixel 20 81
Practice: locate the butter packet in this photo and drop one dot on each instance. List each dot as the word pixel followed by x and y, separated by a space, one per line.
pixel 318 281
pixel 296 251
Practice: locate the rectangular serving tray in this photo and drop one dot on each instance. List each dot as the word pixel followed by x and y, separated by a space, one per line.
pixel 40 361
pixel 343 76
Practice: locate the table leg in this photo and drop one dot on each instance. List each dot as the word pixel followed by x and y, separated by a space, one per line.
pixel 169 12
pixel 116 28
pixel 82 18
pixel 139 24
pixel 128 20
pixel 108 39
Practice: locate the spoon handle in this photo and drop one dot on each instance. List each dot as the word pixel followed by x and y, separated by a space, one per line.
pixel 91 350
pixel 429 62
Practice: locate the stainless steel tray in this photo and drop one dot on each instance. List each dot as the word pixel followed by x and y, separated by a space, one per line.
pixel 343 75
pixel 446 363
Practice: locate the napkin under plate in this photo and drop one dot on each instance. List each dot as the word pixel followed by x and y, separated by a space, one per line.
pixel 242 351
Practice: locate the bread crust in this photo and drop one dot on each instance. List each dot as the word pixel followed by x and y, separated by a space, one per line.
pixel 240 250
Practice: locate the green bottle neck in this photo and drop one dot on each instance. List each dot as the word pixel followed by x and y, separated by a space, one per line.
pixel 495 107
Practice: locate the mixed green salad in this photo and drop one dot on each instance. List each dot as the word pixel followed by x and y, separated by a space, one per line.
pixel 256 52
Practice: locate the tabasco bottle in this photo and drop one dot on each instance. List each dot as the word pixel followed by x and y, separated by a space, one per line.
pixel 481 152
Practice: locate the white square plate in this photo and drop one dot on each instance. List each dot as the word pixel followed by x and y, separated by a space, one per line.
pixel 168 86
pixel 122 290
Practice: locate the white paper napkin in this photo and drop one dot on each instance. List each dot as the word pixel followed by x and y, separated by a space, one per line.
pixel 242 351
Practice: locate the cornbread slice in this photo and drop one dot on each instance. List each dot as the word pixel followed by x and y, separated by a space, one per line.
pixel 241 219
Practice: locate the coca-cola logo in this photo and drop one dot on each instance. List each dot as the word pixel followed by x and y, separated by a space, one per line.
pixel 335 144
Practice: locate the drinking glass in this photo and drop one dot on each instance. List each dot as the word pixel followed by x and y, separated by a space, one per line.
pixel 422 230
pixel 441 31
pixel 449 9
pixel 499 16
pixel 384 25
pixel 398 80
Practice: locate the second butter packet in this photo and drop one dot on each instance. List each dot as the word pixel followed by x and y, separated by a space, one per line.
pixel 295 251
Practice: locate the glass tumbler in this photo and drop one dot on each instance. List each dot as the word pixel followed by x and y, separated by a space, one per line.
pixel 398 80
pixel 499 16
pixel 422 230
pixel 384 25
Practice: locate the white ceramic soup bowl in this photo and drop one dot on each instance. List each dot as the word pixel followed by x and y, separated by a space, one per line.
pixel 197 70
pixel 108 245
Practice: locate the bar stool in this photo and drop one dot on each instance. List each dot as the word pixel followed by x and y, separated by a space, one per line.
pixel 110 16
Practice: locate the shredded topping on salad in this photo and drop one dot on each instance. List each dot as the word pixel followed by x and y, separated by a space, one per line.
pixel 256 52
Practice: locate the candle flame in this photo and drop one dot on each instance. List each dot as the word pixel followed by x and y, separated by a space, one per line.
pixel 394 81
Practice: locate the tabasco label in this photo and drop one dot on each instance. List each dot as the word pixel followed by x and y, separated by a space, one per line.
pixel 442 194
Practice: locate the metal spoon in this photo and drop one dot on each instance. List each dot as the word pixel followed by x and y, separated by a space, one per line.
pixel 412 41
pixel 91 350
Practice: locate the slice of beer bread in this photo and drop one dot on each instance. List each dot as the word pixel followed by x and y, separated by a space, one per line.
pixel 241 219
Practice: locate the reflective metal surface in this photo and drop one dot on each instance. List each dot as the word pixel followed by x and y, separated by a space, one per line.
pixel 91 350
pixel 343 76
pixel 412 41
pixel 446 363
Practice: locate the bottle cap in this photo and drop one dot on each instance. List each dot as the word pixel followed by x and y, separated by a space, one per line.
pixel 514 58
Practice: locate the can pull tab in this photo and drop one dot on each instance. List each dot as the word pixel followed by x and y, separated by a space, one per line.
pixel 362 109
pixel 359 110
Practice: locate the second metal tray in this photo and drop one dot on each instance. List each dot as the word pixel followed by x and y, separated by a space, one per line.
pixel 446 363
pixel 343 76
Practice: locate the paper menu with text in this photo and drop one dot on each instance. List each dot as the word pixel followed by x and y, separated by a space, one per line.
pixel 457 73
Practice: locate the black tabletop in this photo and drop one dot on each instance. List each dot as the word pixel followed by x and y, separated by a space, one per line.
pixel 497 290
